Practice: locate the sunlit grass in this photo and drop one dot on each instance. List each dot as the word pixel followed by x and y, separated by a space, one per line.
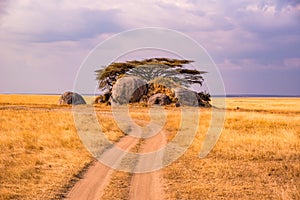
pixel 256 157
pixel 287 105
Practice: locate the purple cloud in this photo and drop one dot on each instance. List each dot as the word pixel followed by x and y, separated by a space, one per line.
pixel 50 24
pixel 245 38
pixel 3 6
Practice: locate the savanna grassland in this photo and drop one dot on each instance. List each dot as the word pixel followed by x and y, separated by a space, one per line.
pixel 256 157
pixel 40 152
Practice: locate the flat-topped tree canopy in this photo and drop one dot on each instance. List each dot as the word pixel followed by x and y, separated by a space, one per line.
pixel 149 69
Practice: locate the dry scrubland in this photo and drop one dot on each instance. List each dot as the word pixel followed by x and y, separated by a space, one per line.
pixel 256 157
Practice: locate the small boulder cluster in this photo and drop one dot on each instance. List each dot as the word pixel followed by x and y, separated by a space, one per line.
pixel 71 98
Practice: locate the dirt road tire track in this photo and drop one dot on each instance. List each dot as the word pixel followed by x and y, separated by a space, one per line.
pixel 143 185
pixel 148 186
pixel 93 183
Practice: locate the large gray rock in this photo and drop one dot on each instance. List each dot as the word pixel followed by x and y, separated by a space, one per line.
pixel 160 99
pixel 186 97
pixel 128 89
pixel 71 98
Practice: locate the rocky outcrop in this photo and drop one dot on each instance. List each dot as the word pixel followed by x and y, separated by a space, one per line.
pixel 71 98
pixel 156 88
pixel 133 89
pixel 103 98
pixel 202 102
pixel 186 97
pixel 159 99
pixel 128 89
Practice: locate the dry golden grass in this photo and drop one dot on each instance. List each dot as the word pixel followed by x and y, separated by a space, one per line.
pixel 118 187
pixel 16 99
pixel 40 150
pixel 256 157
pixel 283 105
pixel 109 127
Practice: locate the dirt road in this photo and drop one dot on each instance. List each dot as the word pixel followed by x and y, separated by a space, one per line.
pixel 148 185
pixel 143 185
pixel 98 175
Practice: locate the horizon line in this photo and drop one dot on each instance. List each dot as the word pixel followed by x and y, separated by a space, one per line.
pixel 216 95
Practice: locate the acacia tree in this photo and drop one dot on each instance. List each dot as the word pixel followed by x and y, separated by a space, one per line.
pixel 108 76
pixel 149 69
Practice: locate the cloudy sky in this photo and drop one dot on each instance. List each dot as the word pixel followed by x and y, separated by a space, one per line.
pixel 255 44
